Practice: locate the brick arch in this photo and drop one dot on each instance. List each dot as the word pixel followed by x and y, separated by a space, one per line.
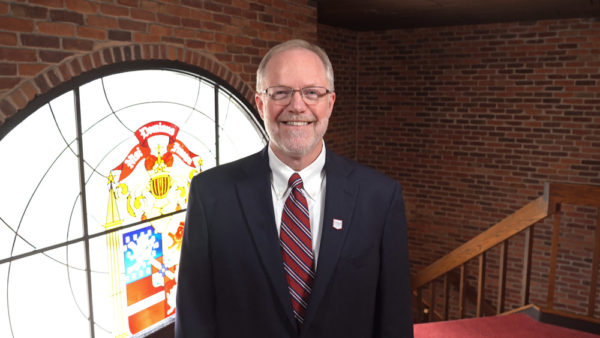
pixel 53 76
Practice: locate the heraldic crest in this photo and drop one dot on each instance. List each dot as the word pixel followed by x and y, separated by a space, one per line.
pixel 153 180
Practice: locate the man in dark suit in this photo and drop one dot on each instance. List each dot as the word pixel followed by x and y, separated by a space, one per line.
pixel 321 255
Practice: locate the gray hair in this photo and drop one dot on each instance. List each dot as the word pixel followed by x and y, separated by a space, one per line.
pixel 294 44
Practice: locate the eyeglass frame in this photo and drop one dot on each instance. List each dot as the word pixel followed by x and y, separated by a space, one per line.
pixel 288 99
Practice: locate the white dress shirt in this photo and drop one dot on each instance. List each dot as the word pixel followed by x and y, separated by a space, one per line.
pixel 313 179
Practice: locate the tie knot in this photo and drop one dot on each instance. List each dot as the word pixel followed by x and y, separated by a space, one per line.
pixel 295 181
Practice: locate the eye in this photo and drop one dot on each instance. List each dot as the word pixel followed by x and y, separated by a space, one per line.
pixel 279 93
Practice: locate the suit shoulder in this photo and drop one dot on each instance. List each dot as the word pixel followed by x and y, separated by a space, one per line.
pixel 229 173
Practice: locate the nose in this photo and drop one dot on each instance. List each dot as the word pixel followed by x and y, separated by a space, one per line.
pixel 297 101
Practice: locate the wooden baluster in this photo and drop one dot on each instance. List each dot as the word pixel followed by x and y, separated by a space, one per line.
pixel 480 284
pixel 419 317
pixel 553 257
pixel 446 296
pixel 594 282
pixel 502 277
pixel 431 301
pixel 461 293
pixel 527 266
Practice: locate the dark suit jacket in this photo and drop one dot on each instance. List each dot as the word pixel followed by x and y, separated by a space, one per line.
pixel 231 279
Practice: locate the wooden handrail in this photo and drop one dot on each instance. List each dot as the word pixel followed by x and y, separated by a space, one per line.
pixel 531 213
pixel 522 220
pixel 578 194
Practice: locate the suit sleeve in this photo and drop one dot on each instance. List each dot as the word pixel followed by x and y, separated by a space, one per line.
pixel 195 303
pixel 394 306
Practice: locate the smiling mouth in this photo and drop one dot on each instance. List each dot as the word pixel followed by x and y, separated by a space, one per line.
pixel 296 123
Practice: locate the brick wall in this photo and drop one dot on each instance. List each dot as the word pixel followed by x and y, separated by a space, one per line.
pixel 472 120
pixel 44 43
pixel 341 46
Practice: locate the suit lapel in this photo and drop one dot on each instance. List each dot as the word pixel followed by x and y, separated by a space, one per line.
pixel 340 197
pixel 257 204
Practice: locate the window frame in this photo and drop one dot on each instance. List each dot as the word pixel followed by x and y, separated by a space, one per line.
pixel 74 84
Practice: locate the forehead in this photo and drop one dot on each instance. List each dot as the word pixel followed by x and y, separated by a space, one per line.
pixel 300 66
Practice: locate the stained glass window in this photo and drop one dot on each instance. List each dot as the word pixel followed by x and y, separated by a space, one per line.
pixel 91 226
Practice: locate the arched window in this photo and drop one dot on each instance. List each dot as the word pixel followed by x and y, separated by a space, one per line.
pixel 94 184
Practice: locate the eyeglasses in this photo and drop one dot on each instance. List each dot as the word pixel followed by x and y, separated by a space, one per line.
pixel 283 94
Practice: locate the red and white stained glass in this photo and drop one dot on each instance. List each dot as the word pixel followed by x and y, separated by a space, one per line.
pixel 145 134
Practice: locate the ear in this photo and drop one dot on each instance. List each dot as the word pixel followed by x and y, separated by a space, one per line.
pixel 259 105
pixel 330 103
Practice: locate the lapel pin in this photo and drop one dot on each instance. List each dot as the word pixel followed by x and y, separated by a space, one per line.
pixel 337 224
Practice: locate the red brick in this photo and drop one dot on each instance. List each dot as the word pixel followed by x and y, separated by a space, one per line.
pixel 29 90
pixel 3 8
pixel 195 44
pixel 145 38
pixel 97 58
pixel 130 3
pixel 232 11
pixel 113 10
pixel 193 3
pixel 226 19
pixel 159 30
pixel 19 99
pixel 16 54
pixel 119 35
pixel 7 109
pixel 92 33
pixel 168 19
pixel 81 6
pixel 201 15
pixel 56 28
pixel 101 21
pixel 48 3
pixel 53 75
pixel 53 56
pixel 8 39
pixel 16 24
pixel 86 62
pixel 77 44
pixel 172 40
pixel 33 12
pixel 132 25
pixel 44 41
pixel 8 69
pixel 65 71
pixel 8 82
pixel 213 7
pixel 178 11
pixel 144 15
pixel 75 67
pixel 184 33
pixel 205 35
pixel 192 23
pixel 31 69
pixel 66 16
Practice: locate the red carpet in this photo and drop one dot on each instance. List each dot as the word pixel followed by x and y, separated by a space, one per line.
pixel 510 326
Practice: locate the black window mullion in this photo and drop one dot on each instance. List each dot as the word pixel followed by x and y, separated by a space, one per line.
pixel 84 208
pixel 217 124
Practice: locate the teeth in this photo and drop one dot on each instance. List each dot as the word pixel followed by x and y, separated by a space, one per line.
pixel 296 123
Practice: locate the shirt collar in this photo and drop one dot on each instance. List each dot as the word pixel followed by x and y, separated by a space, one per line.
pixel 312 176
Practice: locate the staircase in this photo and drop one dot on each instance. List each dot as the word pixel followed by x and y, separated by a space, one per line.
pixel 451 269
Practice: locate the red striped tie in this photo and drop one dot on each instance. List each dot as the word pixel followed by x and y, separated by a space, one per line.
pixel 296 248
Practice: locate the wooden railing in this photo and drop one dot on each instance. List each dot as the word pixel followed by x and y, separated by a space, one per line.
pixel 523 220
